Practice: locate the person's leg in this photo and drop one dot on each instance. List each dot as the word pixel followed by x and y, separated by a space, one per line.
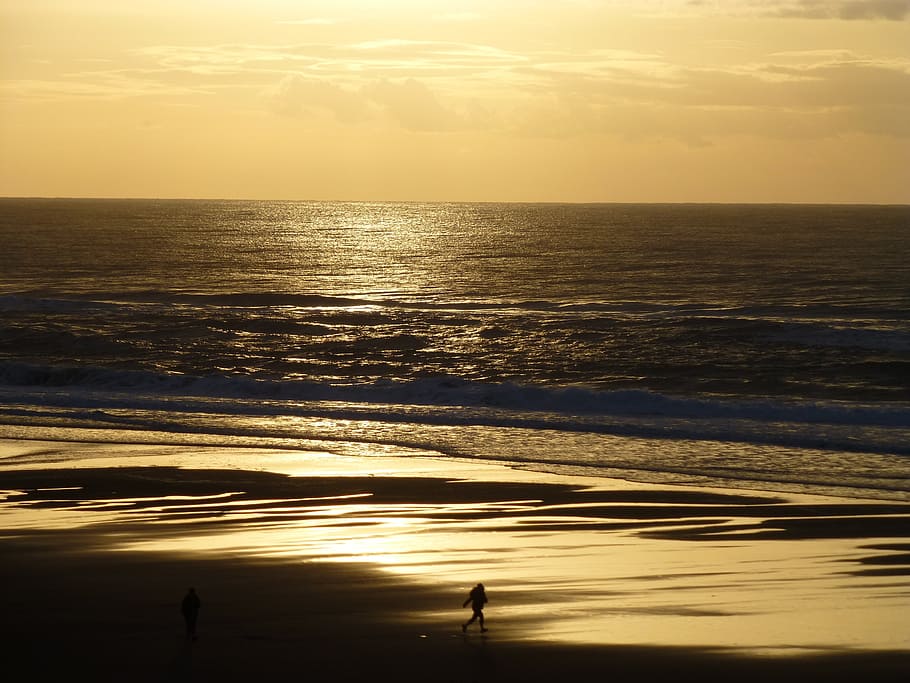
pixel 480 617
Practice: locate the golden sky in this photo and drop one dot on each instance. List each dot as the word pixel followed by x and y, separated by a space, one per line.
pixel 486 100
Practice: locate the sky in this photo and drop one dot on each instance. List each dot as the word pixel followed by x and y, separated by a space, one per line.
pixel 432 100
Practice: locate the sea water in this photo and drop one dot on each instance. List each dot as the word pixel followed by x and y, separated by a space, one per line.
pixel 761 347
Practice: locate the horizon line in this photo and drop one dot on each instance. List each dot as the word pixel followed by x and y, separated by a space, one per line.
pixel 455 201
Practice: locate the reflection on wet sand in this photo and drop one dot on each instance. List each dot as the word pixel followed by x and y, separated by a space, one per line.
pixel 634 565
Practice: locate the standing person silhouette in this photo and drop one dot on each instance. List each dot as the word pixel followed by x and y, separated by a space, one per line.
pixel 189 608
pixel 478 598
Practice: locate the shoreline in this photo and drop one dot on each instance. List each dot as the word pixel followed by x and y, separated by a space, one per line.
pixel 161 442
pixel 357 560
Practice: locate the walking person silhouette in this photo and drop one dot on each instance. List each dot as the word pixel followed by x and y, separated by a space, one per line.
pixel 189 608
pixel 478 598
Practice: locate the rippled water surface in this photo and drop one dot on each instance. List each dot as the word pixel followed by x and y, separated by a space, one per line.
pixel 751 343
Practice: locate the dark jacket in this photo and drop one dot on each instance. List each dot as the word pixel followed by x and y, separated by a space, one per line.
pixel 190 605
pixel 477 598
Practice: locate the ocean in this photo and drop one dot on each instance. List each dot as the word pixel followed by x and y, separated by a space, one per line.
pixel 749 346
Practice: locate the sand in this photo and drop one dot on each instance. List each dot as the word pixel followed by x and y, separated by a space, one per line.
pixel 317 567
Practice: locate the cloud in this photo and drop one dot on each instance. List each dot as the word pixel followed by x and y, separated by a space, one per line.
pixel 893 10
pixel 414 106
pixel 313 21
pixel 407 103
pixel 799 97
pixel 295 95
pixel 210 59
pixel 429 55
pixel 848 10
pixel 445 86
pixel 366 59
pixel 108 86
pixel 458 17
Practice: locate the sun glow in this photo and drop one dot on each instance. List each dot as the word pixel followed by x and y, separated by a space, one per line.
pixel 619 101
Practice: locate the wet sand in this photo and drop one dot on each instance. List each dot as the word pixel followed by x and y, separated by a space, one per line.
pixel 343 569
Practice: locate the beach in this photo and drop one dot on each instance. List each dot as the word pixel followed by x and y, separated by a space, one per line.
pixel 323 567
pixel 320 320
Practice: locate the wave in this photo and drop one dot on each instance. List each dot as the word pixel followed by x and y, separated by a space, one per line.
pixel 22 303
pixel 310 316
pixel 41 302
pixel 842 336
pixel 450 391
pixel 38 302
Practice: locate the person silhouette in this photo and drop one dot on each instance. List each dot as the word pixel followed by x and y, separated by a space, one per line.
pixel 478 598
pixel 189 608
